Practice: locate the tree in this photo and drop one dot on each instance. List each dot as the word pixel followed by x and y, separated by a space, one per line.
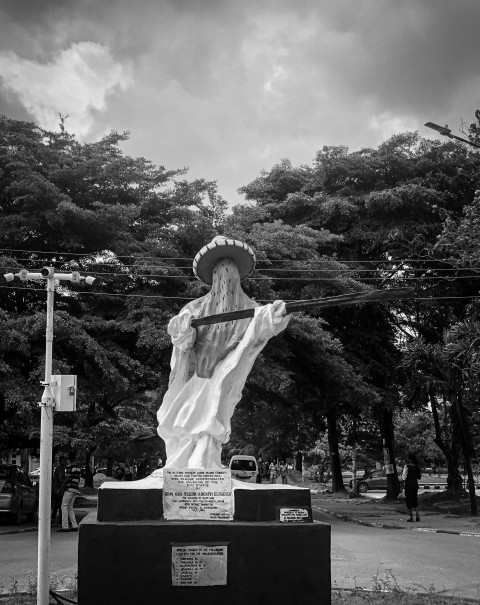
pixel 462 346
pixel 414 432
pixel 306 358
pixel 130 224
pixel 386 207
pixel 431 380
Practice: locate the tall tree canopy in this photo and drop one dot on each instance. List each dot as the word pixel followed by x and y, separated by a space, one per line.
pixel 402 214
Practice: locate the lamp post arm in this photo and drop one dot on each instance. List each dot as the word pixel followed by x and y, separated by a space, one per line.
pixel 446 132
pixel 453 136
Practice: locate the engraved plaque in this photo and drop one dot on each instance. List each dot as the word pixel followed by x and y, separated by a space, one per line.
pixel 199 565
pixel 294 515
pixel 191 494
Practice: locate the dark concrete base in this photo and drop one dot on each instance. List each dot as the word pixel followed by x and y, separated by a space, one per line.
pixel 250 504
pixel 129 504
pixel 129 563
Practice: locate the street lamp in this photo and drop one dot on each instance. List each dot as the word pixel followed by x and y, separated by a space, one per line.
pixel 47 405
pixel 446 131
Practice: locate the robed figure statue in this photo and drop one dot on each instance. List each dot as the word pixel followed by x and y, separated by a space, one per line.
pixel 211 363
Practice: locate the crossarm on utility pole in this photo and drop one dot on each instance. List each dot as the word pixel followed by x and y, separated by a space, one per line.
pixel 353 298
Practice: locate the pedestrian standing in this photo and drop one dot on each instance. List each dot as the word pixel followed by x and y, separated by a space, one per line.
pixel 410 476
pixel 57 487
pixel 128 472
pixel 273 473
pixel 71 485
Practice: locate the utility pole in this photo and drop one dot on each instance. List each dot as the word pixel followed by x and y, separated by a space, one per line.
pixel 47 406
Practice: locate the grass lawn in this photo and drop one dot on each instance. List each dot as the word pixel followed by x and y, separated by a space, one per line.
pixel 339 597
pixel 395 597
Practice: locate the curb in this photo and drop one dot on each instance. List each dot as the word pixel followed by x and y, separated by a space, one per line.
pixel 446 531
pixel 386 526
pixel 22 530
pixel 439 485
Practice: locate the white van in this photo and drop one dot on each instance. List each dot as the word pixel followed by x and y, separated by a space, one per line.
pixel 244 468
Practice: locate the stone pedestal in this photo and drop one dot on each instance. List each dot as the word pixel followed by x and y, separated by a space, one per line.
pixel 251 503
pixel 268 563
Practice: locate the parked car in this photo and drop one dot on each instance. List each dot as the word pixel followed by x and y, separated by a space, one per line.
pixel 34 476
pixel 244 468
pixel 18 496
pixel 373 480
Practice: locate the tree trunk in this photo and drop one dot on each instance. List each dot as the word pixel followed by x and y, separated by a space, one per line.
pixel 454 479
pixel 337 479
pixel 298 461
pixel 109 466
pixel 88 470
pixel 388 434
pixel 467 448
pixel 471 487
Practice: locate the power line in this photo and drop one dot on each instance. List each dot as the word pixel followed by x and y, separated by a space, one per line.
pixel 397 278
pixel 102 293
pixel 189 259
pixel 107 294
pixel 86 254
pixel 473 297
pixel 262 269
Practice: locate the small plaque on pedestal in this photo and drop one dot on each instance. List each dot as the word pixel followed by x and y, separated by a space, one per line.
pixel 197 494
pixel 294 515
pixel 199 565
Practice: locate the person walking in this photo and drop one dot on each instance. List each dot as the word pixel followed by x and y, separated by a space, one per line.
pixel 410 476
pixel 57 488
pixel 283 473
pixel 71 489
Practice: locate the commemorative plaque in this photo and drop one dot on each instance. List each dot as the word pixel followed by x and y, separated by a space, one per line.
pixel 294 515
pixel 197 494
pixel 199 565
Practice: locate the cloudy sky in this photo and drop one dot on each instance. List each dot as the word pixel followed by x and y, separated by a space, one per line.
pixel 230 87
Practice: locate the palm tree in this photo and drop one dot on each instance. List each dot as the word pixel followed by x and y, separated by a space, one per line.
pixel 428 380
pixel 462 346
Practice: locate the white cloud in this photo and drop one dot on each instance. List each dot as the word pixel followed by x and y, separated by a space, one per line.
pixel 76 82
pixel 387 124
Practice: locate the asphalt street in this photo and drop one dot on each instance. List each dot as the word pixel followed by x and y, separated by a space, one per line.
pixel 361 556
pixel 18 557
pixel 365 556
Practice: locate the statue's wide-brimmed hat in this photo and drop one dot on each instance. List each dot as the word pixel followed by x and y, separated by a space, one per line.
pixel 222 247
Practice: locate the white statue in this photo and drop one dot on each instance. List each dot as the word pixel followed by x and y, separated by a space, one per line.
pixel 211 363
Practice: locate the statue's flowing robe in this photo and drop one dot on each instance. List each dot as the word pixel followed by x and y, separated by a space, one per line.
pixel 208 373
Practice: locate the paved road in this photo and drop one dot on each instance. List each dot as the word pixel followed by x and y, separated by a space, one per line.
pixel 449 564
pixel 18 556
pixel 377 494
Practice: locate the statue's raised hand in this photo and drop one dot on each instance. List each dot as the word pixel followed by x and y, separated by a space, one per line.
pixel 278 311
pixel 181 331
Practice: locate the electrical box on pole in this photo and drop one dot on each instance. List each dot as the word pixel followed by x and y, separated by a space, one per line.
pixel 64 391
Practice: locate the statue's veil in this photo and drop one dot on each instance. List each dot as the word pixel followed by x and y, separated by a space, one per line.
pixel 214 342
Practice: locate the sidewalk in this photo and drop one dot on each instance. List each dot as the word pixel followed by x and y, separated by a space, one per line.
pixel 83 505
pixel 436 517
